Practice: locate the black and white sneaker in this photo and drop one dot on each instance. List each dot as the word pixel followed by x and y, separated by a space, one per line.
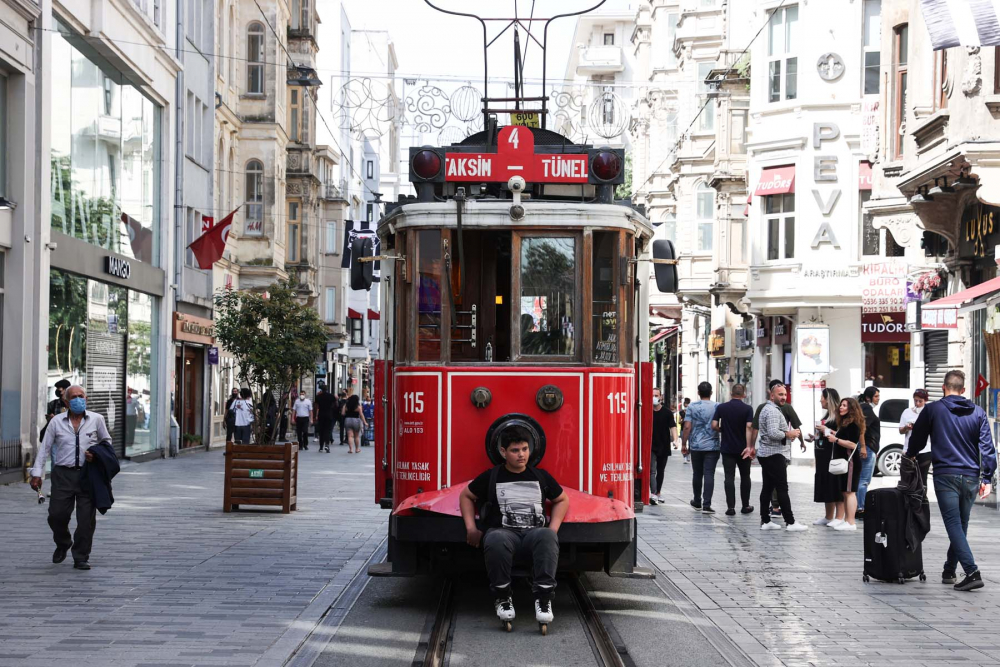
pixel 707 509
pixel 543 610
pixel 948 578
pixel 971 582
pixel 505 608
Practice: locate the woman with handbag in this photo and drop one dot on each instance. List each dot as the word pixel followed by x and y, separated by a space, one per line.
pixel 826 486
pixel 849 438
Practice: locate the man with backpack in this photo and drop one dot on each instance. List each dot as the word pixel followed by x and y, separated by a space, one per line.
pixel 513 497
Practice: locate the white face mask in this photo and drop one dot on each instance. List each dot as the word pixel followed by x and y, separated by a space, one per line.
pixel 657 400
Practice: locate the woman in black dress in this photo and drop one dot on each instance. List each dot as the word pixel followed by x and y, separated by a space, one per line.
pixel 850 436
pixel 826 488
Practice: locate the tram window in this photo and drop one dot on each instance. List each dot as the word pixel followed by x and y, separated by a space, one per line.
pixel 548 302
pixel 604 311
pixel 481 316
pixel 429 268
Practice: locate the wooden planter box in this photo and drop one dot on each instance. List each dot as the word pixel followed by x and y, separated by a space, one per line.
pixel 261 475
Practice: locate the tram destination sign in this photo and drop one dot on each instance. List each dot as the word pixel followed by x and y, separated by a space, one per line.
pixel 516 156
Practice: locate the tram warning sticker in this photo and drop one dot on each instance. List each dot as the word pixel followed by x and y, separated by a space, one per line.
pixel 616 472
pixel 413 471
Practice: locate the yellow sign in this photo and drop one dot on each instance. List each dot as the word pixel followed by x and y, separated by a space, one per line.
pixel 525 118
pixel 894 356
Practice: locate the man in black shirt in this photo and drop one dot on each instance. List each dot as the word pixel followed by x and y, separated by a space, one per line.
pixel 664 435
pixel 734 420
pixel 513 516
pixel 340 417
pixel 326 408
pixel 873 437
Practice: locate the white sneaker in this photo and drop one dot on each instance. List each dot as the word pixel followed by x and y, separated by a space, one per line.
pixel 543 611
pixel 822 521
pixel 653 500
pixel 659 499
pixel 835 523
pixel 505 608
pixel 796 527
pixel 770 525
pixel 847 526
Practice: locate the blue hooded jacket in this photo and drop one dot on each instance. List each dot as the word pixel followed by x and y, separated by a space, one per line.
pixel 961 442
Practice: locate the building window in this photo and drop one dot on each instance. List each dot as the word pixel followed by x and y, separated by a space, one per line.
pixel 294 252
pixel 331 237
pixel 371 169
pixel 707 119
pixel 232 46
pixel 940 81
pixel 669 224
pixel 871 50
pixel 330 307
pixel 901 39
pixel 301 19
pixel 779 221
pixel 672 20
pixel 738 132
pixel 369 212
pixel 781 47
pixel 294 114
pixel 705 210
pixel 357 331
pixel 255 199
pixel 255 59
pixel 609 39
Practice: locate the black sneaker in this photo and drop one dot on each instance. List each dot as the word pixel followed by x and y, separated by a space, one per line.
pixel 695 504
pixel 747 510
pixel 948 577
pixel 775 511
pixel 730 512
pixel 81 565
pixel 59 555
pixel 328 449
pixel 971 582
pixel 707 510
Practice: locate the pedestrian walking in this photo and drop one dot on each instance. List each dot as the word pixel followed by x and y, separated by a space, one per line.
pixel 340 421
pixel 849 443
pixel 326 404
pixel 964 460
pixel 354 422
pixel 703 443
pixel 243 419
pixel 683 413
pixel 734 422
pixel 773 451
pixel 283 421
pixel 873 436
pixel 56 406
pixel 906 422
pixel 826 485
pixel 303 411
pixel 664 434
pixel 793 421
pixel 230 418
pixel 69 438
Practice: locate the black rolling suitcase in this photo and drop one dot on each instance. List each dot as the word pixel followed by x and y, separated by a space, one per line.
pixel 887 557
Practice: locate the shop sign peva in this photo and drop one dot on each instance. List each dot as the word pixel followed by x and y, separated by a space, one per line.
pixel 884 328
pixel 825 171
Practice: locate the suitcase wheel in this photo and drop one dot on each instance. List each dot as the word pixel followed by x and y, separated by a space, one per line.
pixel 901 580
pixel 865 578
pixel 923 577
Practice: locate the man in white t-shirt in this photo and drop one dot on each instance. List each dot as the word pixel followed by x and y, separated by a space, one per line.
pixel 243 414
pixel 302 408
pixel 906 421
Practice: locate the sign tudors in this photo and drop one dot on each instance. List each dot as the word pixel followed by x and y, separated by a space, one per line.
pixel 117 267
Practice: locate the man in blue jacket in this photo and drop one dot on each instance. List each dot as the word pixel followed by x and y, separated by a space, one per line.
pixel 964 461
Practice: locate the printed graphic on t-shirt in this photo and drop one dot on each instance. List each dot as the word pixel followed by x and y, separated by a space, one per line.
pixel 520 505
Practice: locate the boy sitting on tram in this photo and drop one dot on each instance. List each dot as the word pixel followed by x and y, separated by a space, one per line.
pixel 512 516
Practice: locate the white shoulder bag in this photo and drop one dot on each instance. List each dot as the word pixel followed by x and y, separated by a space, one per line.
pixel 840 466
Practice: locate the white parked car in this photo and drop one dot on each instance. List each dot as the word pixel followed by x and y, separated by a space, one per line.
pixel 889 411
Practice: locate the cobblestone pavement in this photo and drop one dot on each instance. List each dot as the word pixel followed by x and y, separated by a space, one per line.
pixel 798 599
pixel 178 582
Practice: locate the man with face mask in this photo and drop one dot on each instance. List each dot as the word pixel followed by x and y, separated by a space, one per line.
pixel 68 438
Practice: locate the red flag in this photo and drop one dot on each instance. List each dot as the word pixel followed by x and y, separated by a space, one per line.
pixel 981 385
pixel 208 247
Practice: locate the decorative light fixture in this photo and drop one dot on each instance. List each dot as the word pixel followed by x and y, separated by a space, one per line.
pixel 939 189
pixel 921 197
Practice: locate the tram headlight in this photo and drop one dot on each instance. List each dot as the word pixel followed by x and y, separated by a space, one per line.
pixel 606 166
pixel 426 164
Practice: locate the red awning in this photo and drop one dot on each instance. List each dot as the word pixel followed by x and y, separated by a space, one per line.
pixel 353 314
pixel 776 181
pixel 960 299
pixel 372 315
pixel 662 334
pixel 865 176
pixel 746 209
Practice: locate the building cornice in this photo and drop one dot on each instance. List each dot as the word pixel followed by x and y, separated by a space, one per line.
pixel 26 9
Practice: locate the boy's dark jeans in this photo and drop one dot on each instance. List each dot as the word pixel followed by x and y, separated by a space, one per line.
pixel 538 546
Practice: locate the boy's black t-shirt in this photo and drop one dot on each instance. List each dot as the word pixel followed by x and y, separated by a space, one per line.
pixel 519 498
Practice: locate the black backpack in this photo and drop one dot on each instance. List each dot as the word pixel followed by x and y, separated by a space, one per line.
pixel 489 506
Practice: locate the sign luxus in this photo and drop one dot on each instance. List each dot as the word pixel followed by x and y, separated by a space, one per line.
pixel 117 267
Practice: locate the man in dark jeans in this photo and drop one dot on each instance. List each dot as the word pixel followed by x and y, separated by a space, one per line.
pixel 793 421
pixel 873 437
pixel 772 452
pixel 513 497
pixel 964 460
pixel 342 396
pixel 326 408
pixel 704 447
pixel 734 420
pixel 664 434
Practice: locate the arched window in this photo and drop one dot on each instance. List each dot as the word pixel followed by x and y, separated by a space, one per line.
pixel 667 227
pixel 705 213
pixel 255 58
pixel 220 180
pixel 255 199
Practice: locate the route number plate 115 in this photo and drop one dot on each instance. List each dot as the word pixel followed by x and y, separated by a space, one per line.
pixel 256 473
pixel 527 119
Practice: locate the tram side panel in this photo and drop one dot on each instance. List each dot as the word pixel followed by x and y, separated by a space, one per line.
pixel 610 437
pixel 383 432
pixel 419 433
pixel 644 428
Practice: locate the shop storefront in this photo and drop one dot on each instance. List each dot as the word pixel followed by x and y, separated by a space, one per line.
pixel 193 338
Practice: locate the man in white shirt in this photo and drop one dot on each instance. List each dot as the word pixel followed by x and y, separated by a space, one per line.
pixel 68 438
pixel 906 421
pixel 243 415
pixel 303 409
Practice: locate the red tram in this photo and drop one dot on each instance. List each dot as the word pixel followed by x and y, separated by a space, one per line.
pixel 511 295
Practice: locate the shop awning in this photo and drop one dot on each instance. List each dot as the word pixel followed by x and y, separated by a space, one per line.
pixel 865 176
pixel 353 314
pixel 966 296
pixel 663 334
pixel 776 181
pixel 667 312
pixel 372 315
pixel 746 210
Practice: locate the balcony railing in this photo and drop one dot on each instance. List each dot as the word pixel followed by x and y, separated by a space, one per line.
pixel 333 191
pixel 601 60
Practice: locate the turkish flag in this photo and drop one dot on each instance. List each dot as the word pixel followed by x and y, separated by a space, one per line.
pixel 981 385
pixel 208 247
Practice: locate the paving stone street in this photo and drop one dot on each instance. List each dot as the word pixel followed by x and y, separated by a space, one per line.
pixel 178 582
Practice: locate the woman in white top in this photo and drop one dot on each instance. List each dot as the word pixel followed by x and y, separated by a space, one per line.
pixel 906 422
pixel 243 409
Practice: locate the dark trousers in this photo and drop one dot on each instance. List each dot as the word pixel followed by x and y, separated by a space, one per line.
pixel 537 546
pixel 924 464
pixel 775 473
pixel 243 434
pixel 703 466
pixel 324 431
pixel 67 491
pixel 130 424
pixel 283 428
pixel 302 431
pixel 230 430
pixel 730 462
pixel 657 467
